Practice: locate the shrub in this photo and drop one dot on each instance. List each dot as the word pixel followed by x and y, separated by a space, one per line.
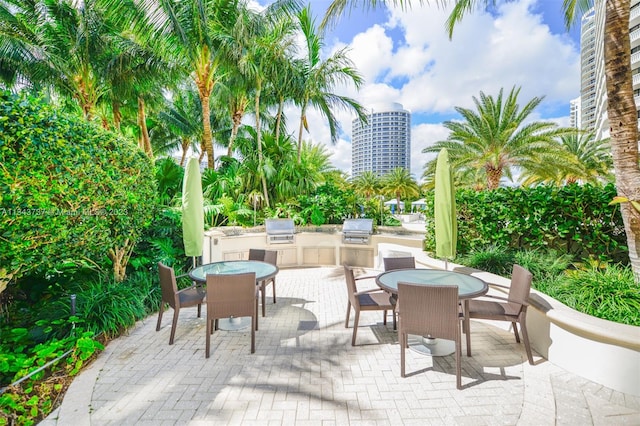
pixel 72 193
pixel 608 292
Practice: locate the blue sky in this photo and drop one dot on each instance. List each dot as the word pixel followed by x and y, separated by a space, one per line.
pixel 405 56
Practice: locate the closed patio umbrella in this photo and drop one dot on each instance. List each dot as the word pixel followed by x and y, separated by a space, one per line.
pixel 445 209
pixel 192 210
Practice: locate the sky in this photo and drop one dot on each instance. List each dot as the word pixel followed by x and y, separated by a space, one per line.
pixel 405 56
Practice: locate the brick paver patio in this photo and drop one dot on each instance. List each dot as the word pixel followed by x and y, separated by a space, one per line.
pixel 306 372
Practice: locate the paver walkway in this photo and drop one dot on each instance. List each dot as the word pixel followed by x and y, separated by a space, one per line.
pixel 305 372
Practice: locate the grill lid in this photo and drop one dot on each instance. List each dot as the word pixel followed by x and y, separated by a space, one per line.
pixel 357 227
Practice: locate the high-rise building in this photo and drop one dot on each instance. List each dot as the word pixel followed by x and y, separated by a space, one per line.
pixel 383 143
pixel 575 112
pixel 593 91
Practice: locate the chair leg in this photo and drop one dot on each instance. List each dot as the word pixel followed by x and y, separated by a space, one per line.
pixel 273 283
pixel 263 287
pixel 515 331
pixel 174 324
pixel 207 345
pixel 346 322
pixel 199 310
pixel 384 317
pixel 355 328
pixel 525 337
pixel 160 316
pixel 395 324
pixel 254 327
pixel 403 337
pixel 458 357
pixel 466 326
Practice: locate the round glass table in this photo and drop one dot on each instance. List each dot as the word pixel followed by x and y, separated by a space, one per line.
pixel 263 271
pixel 468 288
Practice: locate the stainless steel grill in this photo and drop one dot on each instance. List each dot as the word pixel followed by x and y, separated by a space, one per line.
pixel 279 231
pixel 357 231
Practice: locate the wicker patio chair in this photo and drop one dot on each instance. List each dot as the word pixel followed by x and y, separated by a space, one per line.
pixel 177 299
pixel 231 296
pixel 366 300
pixel 512 308
pixel 391 263
pixel 269 256
pixel 429 310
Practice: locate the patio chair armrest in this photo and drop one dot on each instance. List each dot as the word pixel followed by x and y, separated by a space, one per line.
pixel 498 285
pixel 366 277
pixel 371 290
pixel 506 299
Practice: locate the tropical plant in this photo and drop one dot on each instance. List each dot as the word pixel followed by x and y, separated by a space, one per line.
pixel 367 184
pixel 496 137
pixel 74 194
pixel 399 184
pixel 588 161
pixel 317 78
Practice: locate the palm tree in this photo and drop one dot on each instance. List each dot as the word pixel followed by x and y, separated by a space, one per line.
pixel 367 184
pixel 180 123
pixel 319 77
pixel 495 137
pixel 61 45
pixel 587 160
pixel 400 184
pixel 268 39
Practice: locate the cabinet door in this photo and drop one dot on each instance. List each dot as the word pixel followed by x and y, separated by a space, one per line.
pixel 357 256
pixel 310 256
pixel 327 256
pixel 288 256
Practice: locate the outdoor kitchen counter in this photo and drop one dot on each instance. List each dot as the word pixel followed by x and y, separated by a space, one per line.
pixel 312 246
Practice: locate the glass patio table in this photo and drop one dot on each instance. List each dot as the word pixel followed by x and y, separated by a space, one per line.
pixel 468 288
pixel 263 271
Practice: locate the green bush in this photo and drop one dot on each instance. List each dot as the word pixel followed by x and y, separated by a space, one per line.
pixel 72 193
pixel 608 292
pixel 574 220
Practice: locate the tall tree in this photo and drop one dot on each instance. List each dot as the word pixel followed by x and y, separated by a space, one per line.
pixel 587 160
pixel 496 137
pixel 400 184
pixel 268 40
pixel 367 184
pixel 318 78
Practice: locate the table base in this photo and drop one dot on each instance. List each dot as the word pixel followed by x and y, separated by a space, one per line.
pixel 234 323
pixel 430 346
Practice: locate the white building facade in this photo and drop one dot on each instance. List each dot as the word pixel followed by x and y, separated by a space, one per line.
pixel 382 144
pixel 593 91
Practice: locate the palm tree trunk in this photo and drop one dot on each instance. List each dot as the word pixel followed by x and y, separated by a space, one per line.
pixel 237 121
pixel 144 131
pixel 303 125
pixel 207 137
pixel 279 117
pixel 185 147
pixel 117 115
pixel 493 177
pixel 623 120
pixel 259 142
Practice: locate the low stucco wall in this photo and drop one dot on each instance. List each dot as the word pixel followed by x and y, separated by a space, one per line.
pixel 602 351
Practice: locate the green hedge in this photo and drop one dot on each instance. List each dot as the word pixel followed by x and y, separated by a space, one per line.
pixel 575 220
pixel 71 191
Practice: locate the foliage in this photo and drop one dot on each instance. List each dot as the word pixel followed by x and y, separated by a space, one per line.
pixel 574 220
pixel 34 397
pixel 71 192
pixel 608 292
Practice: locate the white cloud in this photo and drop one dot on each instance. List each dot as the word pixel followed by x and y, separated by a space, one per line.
pixel 430 74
